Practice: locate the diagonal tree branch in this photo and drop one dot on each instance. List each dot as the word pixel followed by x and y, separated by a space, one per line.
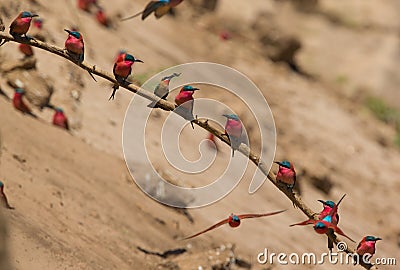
pixel 169 106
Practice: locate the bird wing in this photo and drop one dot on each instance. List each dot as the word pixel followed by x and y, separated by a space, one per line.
pixel 13 24
pixel 339 231
pixel 359 245
pixel 259 215
pixel 222 222
pixel 309 221
pixel 153 6
pixel 161 11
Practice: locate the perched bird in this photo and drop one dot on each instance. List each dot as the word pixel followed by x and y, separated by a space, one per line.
pixel 74 45
pixel 4 197
pixel 329 206
pixel 38 23
pixel 160 8
pixel 185 101
pixel 19 103
pixel 59 119
pixel 101 18
pixel 122 69
pixel 322 226
pixel 367 246
pixel 86 4
pixel 233 221
pixel 286 174
pixel 21 24
pixel 233 129
pixel 162 89
pixel 26 49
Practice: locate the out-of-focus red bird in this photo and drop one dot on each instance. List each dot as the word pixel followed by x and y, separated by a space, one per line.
pixel 19 103
pixel 59 119
pixel 26 49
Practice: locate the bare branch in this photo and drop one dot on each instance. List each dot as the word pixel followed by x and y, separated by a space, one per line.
pixel 169 106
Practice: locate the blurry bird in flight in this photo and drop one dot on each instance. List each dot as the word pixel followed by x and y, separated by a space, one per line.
pixel 322 226
pixel 329 206
pixel 160 8
pixel 233 221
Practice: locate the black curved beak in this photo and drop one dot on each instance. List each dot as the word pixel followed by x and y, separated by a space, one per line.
pixel 138 60
pixel 34 15
pixel 322 201
pixel 195 89
pixel 68 31
pixel 378 238
pixel 279 163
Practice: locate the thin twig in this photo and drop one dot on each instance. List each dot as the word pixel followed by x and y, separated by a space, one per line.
pixel 169 106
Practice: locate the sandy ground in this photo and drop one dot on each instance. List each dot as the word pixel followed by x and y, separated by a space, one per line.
pixel 76 204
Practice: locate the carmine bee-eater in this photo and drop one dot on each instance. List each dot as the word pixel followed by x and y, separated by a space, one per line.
pixel 21 24
pixel 185 101
pixel 233 129
pixel 234 221
pixel 162 89
pixel 38 23
pixel 367 246
pixel 86 4
pixel 26 49
pixel 329 206
pixel 74 45
pixel 160 8
pixel 101 18
pixel 4 197
pixel 19 103
pixel 322 226
pixel 286 174
pixel 122 69
pixel 59 119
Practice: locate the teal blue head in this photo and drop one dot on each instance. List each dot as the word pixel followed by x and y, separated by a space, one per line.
pixel 26 14
pixel 189 88
pixel 285 164
pixel 372 238
pixel 75 34
pixel 1 184
pixel 235 218
pixel 58 109
pixel 231 116
pixel 131 58
pixel 327 203
pixel 20 91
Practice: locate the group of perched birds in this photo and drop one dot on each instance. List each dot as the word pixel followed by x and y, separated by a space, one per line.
pixel 327 220
pixel 59 118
